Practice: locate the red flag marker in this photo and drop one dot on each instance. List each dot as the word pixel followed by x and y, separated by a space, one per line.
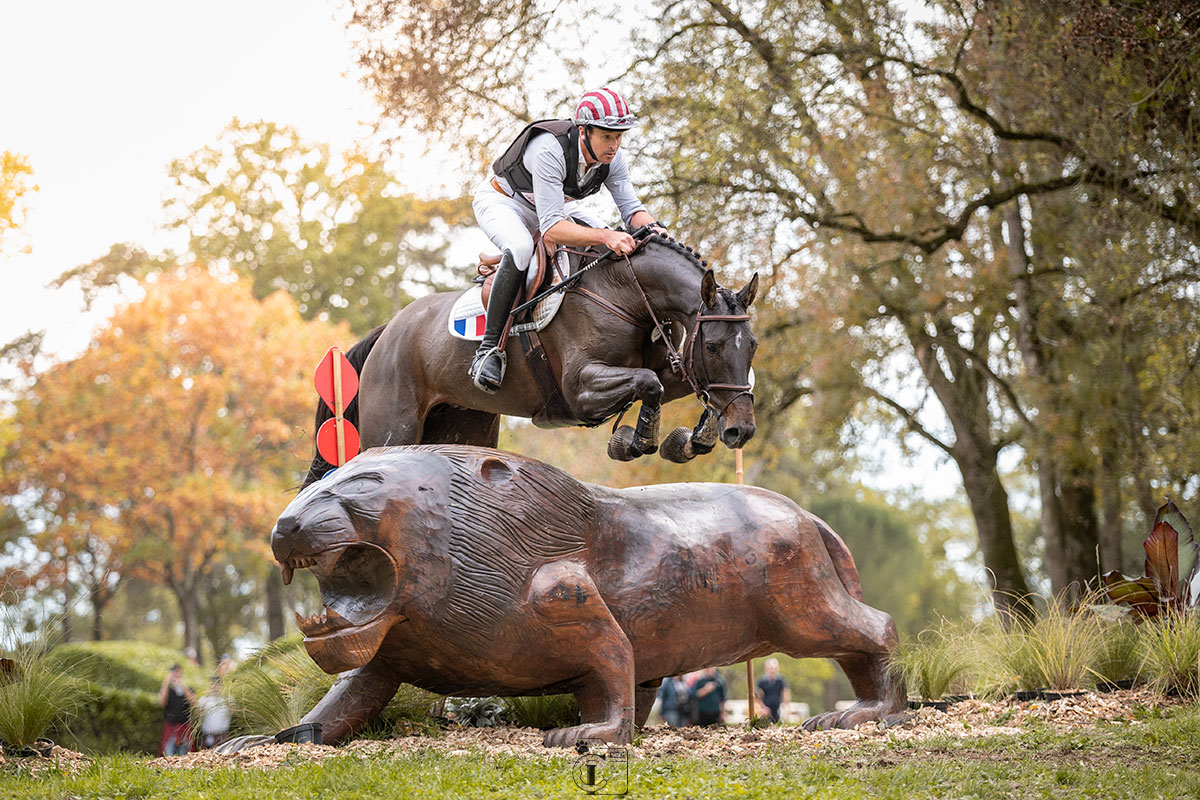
pixel 334 448
pixel 337 383
pixel 334 367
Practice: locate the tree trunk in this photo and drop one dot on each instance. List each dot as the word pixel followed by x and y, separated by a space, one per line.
pixel 989 506
pixel 1051 522
pixel 276 626
pixel 962 392
pixel 1109 481
pixel 1081 531
pixel 99 602
pixel 189 611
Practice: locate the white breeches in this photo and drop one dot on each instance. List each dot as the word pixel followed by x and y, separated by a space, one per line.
pixel 511 224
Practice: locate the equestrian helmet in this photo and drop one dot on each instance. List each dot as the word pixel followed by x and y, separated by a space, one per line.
pixel 604 108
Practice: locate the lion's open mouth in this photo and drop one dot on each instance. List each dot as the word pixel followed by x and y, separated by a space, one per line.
pixel 358 582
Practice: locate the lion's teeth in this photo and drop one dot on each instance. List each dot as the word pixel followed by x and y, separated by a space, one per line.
pixel 286 571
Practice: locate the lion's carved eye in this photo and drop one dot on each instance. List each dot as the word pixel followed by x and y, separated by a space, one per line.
pixel 359 485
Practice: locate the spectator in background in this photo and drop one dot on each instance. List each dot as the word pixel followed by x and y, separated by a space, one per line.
pixel 674 702
pixel 224 665
pixel 709 691
pixel 176 700
pixel 772 690
pixel 214 715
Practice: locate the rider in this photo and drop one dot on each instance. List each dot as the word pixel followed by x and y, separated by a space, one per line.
pixel 551 164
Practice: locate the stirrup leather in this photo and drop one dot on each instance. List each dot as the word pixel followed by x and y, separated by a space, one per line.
pixel 480 361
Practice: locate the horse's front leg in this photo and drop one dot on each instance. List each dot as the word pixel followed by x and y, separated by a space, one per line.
pixel 682 445
pixel 599 388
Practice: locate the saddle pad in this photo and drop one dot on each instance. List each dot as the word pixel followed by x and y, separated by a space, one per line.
pixel 468 317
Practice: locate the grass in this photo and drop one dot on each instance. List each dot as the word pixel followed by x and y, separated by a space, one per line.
pixel 34 692
pixel 1057 649
pixel 931 664
pixel 1171 652
pixel 1159 757
pixel 275 692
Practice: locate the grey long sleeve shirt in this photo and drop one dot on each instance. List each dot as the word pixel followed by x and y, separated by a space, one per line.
pixel 545 161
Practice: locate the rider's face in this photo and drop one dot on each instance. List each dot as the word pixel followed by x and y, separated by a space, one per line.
pixel 604 143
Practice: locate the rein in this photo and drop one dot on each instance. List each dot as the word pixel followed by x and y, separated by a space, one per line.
pixel 684 363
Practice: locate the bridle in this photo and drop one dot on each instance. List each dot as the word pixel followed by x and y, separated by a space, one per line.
pixel 684 363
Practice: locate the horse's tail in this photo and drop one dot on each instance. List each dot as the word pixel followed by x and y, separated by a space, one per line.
pixel 843 562
pixel 357 356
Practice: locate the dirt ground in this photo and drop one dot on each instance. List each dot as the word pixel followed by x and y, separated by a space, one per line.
pixel 970 719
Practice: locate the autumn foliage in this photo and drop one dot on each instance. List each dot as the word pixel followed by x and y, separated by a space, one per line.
pixel 167 447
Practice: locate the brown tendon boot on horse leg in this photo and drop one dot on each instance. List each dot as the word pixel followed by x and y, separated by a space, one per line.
pixel 487 367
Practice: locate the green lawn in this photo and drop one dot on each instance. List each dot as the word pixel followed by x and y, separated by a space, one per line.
pixel 1159 757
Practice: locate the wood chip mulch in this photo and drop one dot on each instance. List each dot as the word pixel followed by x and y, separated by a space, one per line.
pixel 970 719
pixel 60 758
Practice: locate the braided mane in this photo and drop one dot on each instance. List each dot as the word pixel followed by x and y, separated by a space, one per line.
pixel 685 251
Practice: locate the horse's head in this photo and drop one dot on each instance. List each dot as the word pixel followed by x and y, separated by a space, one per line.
pixel 719 353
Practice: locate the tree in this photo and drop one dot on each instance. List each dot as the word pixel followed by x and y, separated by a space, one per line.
pixel 336 233
pixel 15 187
pixel 921 181
pixel 165 448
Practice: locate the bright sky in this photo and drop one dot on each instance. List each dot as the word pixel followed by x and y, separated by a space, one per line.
pixel 100 96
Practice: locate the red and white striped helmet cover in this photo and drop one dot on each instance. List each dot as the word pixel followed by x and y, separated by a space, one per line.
pixel 605 108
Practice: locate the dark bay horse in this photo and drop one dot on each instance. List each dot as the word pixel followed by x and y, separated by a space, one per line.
pixel 651 328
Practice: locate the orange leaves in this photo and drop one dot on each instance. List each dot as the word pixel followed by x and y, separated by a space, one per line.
pixel 175 435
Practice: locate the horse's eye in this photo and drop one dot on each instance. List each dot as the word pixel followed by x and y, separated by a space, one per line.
pixel 711 348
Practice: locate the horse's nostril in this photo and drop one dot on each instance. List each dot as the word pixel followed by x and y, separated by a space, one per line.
pixel 733 434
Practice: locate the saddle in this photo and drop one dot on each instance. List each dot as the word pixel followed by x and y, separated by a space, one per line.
pixel 538 277
pixel 548 271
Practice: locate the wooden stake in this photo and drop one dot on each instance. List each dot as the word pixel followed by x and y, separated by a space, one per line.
pixel 740 472
pixel 337 406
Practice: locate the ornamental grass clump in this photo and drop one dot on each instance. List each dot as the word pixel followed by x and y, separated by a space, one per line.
pixel 542 711
pixel 274 691
pixel 34 693
pixel 932 664
pixel 1120 659
pixel 1170 646
pixel 1058 648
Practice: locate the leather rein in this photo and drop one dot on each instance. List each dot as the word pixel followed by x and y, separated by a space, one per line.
pixel 684 363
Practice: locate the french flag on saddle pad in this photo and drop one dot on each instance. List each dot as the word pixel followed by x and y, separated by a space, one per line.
pixel 472 326
pixel 468 317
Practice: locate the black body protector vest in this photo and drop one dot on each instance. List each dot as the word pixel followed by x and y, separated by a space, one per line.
pixel 511 165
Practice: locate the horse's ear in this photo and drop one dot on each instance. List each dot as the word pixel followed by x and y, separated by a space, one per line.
pixel 749 292
pixel 708 289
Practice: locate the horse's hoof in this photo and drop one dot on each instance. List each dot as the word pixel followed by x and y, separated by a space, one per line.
pixel 674 447
pixel 645 445
pixel 620 446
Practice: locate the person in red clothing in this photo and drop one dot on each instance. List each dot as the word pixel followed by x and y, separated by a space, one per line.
pixel 176 700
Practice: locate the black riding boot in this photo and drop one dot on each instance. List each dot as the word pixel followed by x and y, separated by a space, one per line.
pixel 487 367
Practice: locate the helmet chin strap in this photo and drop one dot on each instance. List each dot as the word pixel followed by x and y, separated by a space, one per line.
pixel 587 142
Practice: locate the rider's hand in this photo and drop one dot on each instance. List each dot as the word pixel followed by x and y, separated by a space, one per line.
pixel 619 242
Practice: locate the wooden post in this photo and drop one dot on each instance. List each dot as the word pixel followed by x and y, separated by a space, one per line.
pixel 739 472
pixel 337 406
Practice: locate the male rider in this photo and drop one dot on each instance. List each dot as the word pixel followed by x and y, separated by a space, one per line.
pixel 550 165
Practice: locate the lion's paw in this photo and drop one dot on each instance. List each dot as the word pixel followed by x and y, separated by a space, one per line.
pixel 857 714
pixel 610 732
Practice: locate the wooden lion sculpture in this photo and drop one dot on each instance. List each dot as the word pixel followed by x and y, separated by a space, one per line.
pixel 475 572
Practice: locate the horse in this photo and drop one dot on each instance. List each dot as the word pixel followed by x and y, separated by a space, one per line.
pixel 616 340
